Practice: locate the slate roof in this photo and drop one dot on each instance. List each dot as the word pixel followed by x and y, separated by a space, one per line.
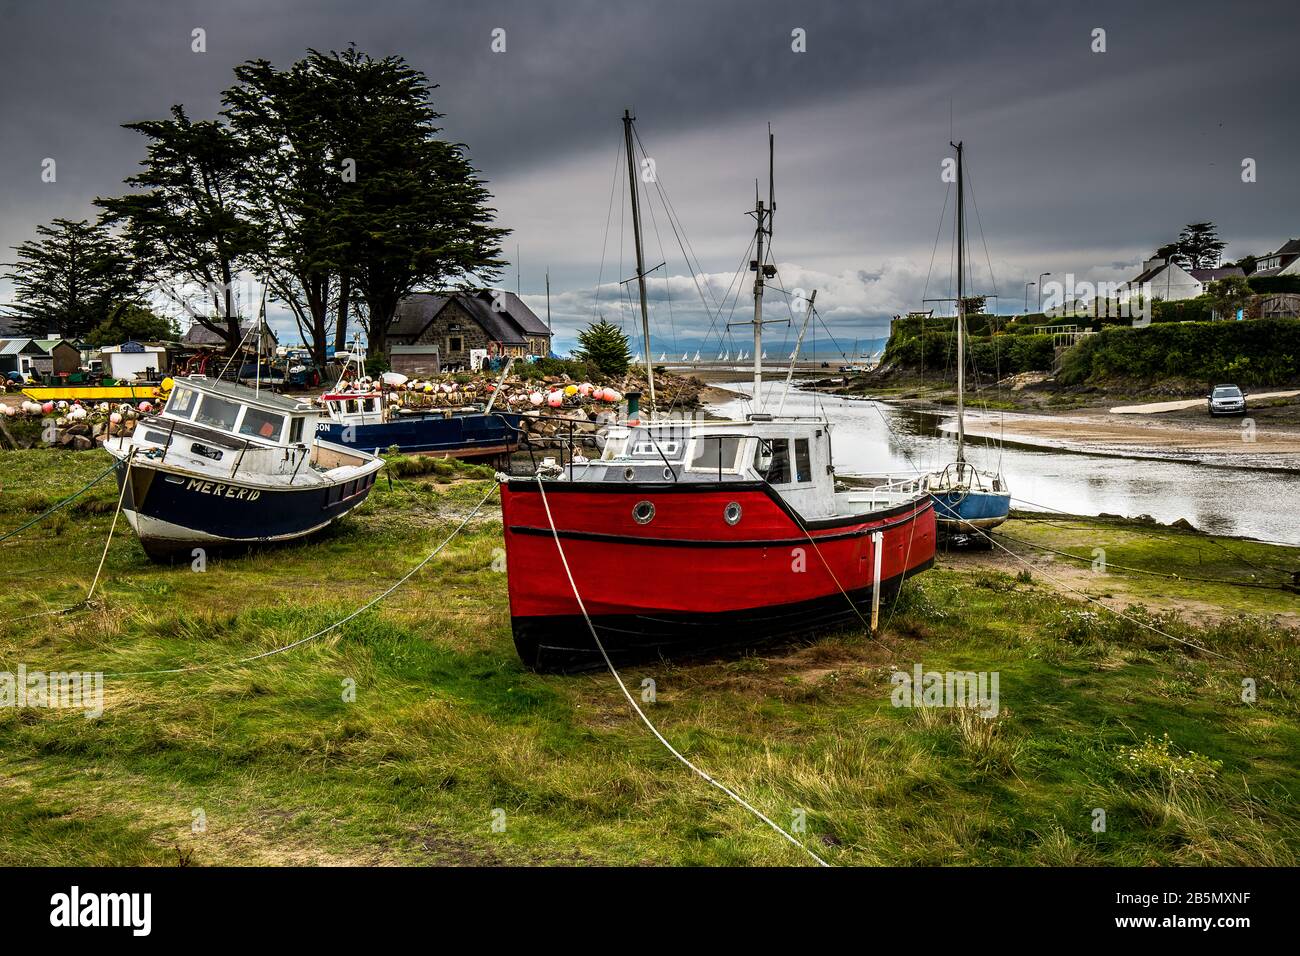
pixel 415 312
pixel 509 326
pixel 198 334
pixel 1213 275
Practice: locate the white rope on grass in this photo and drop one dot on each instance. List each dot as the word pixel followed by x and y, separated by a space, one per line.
pixel 639 712
pixel 337 624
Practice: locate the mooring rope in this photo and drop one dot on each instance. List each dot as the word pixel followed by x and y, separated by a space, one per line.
pixel 325 630
pixel 66 501
pixel 639 712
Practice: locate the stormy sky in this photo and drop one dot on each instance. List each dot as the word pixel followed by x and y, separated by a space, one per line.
pixel 1080 162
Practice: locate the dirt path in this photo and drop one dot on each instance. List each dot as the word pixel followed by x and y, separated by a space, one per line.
pixel 1155 408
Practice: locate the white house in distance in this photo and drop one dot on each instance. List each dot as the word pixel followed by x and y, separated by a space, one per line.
pixel 1170 282
pixel 1284 262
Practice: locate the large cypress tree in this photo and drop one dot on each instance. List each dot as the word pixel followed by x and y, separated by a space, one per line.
pixel 360 197
pixel 70 279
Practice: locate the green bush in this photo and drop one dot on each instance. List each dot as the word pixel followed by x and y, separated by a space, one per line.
pixel 1256 352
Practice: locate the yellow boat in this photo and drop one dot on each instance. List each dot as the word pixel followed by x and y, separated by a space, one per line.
pixel 90 393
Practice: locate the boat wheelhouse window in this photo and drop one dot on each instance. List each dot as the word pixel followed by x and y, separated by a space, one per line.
pixel 802 460
pixel 641 444
pixel 295 430
pixel 181 404
pixel 713 453
pixel 217 412
pixel 772 460
pixel 261 424
pixel 352 405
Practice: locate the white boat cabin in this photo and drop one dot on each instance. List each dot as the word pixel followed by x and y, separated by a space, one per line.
pixel 239 412
pixel 228 431
pixel 791 455
pixel 354 408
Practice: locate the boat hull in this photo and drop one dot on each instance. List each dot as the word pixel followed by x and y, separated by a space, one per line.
pixel 965 511
pixel 173 512
pixel 686 582
pixel 460 436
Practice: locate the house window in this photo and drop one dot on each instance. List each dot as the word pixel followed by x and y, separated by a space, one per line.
pixel 455 343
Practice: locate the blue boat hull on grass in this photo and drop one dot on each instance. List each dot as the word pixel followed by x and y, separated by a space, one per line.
pixel 965 510
pixel 459 436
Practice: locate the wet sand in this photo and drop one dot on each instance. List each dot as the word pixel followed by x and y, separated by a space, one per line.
pixel 1246 441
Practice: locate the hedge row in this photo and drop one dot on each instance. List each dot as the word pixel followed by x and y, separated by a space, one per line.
pixel 1255 352
pixel 990 355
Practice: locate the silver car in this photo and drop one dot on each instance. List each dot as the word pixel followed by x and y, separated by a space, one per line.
pixel 1227 400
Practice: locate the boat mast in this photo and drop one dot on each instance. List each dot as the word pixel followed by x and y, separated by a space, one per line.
pixel 640 258
pixel 961 312
pixel 762 227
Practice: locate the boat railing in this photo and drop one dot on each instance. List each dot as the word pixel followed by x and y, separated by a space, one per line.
pixel 532 444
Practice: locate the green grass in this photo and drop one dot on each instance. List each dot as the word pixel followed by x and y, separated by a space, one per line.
pixel 447 727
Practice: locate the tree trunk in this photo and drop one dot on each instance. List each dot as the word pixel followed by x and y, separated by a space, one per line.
pixel 341 328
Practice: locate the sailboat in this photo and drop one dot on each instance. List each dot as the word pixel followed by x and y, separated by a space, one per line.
pixel 688 536
pixel 965 498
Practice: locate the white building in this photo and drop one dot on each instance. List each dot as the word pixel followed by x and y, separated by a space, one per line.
pixel 1167 281
pixel 133 359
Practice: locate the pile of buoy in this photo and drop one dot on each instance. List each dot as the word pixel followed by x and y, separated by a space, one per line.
pixel 78 423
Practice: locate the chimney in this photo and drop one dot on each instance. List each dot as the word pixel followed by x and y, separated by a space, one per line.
pixel 1153 263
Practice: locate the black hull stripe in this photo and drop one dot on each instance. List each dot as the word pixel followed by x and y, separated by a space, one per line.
pixel 713 542
pixel 919 504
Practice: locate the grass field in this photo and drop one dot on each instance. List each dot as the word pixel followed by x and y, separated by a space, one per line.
pixel 452 753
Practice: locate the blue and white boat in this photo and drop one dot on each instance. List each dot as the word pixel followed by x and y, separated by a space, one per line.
pixel 361 416
pixel 228 466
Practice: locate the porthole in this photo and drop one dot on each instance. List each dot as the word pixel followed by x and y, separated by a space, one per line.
pixel 628 474
pixel 731 513
pixel 643 512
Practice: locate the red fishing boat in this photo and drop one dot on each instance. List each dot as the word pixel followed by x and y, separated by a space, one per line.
pixel 685 537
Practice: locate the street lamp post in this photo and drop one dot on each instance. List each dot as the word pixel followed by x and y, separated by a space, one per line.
pixel 1027 285
pixel 1041 277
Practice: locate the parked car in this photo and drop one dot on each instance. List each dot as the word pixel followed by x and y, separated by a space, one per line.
pixel 1227 400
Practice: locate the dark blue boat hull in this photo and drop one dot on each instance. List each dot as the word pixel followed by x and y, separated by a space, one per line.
pixel 460 436
pixel 172 513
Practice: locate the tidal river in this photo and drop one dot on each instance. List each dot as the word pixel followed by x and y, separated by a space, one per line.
pixel 872 438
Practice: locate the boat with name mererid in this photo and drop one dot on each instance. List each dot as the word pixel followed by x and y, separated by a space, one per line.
pixel 225 465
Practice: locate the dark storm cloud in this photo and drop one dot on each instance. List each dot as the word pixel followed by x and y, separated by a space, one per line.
pixel 1080 162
